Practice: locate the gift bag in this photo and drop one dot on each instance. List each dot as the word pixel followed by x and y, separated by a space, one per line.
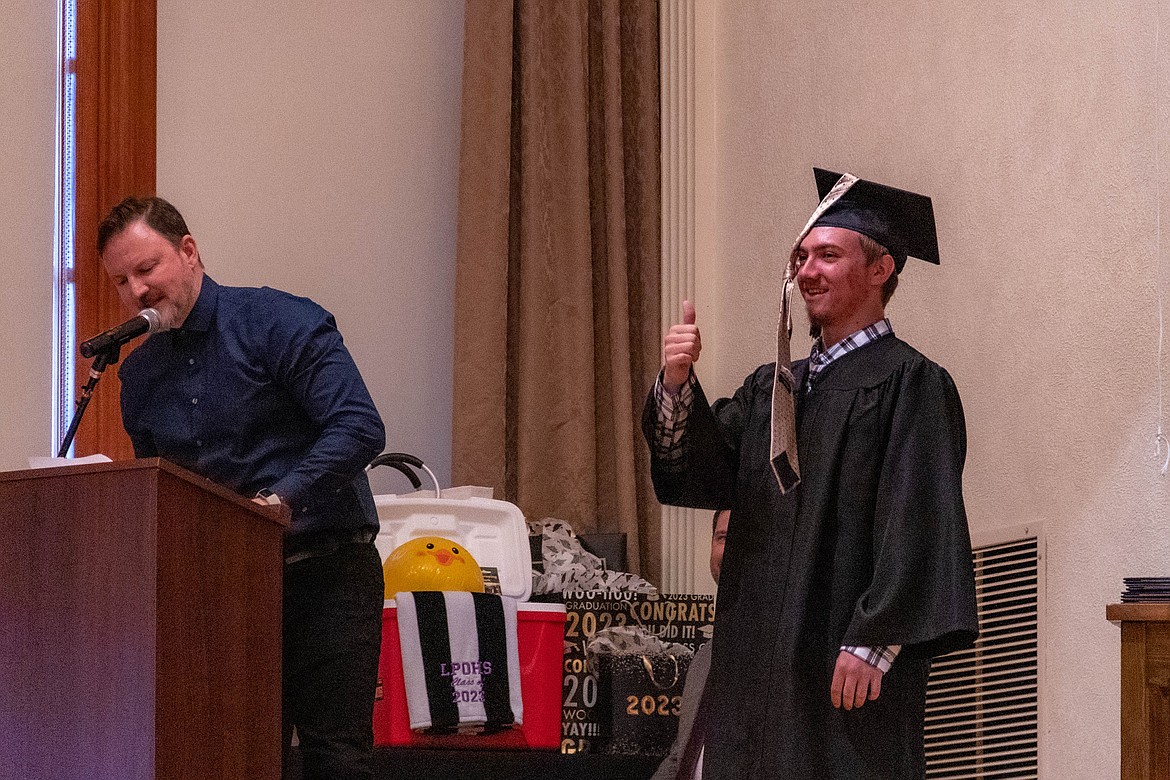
pixel 639 697
pixel 661 624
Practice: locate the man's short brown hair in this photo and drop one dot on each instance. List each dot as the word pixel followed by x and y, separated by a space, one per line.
pixel 158 214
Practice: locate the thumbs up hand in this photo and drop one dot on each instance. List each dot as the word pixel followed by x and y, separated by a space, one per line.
pixel 680 350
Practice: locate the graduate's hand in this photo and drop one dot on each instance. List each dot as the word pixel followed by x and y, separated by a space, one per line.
pixel 854 682
pixel 680 350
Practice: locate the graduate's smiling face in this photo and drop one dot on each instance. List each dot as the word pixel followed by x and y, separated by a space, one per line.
pixel 841 289
pixel 151 272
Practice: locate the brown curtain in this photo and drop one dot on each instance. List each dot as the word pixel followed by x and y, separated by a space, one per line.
pixel 557 286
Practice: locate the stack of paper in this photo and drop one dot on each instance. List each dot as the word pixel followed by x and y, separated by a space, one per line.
pixel 1145 589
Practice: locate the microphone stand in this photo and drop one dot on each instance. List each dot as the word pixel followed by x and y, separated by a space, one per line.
pixel 104 358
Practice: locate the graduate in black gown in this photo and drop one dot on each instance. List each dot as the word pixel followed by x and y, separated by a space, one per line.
pixel 848 559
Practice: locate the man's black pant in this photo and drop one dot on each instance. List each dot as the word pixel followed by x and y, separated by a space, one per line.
pixel 332 637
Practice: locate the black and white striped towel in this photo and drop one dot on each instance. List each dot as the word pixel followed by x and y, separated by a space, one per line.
pixel 460 661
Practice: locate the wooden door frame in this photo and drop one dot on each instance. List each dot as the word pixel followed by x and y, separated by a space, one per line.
pixel 116 121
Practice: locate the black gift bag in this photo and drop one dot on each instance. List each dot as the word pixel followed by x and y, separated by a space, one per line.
pixel 639 697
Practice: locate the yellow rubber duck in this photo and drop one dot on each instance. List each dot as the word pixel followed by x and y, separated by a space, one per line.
pixel 431 563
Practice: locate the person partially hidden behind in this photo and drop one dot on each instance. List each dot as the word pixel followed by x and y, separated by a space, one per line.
pixel 253 388
pixel 684 761
pixel 848 562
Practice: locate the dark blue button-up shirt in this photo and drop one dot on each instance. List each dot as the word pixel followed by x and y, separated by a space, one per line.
pixel 256 390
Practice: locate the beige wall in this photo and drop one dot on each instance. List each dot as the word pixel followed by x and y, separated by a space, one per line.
pixel 1032 123
pixel 314 147
pixel 28 110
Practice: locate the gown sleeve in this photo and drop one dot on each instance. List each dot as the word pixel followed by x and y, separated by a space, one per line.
pixel 705 477
pixel 922 594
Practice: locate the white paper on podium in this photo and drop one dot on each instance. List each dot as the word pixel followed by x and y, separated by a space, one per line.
pixel 39 462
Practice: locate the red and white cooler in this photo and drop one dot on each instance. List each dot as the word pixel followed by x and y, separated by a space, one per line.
pixel 495 534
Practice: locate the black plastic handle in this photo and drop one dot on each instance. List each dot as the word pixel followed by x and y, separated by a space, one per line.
pixel 386 460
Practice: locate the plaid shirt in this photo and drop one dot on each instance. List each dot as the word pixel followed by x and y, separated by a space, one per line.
pixel 820 358
pixel 672 419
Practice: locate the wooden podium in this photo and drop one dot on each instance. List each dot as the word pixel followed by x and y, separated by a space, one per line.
pixel 140 626
pixel 1145 689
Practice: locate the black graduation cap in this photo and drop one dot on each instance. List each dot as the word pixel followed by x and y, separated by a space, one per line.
pixel 901 221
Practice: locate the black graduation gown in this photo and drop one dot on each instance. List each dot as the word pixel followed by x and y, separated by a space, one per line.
pixel 872 548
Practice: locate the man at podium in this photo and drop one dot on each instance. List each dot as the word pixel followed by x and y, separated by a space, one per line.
pixel 254 389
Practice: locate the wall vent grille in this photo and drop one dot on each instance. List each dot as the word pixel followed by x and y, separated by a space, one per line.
pixel 982 714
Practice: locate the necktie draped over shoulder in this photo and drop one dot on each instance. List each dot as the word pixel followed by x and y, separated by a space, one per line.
pixel 783 455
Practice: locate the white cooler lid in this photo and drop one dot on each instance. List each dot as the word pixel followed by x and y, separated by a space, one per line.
pixel 493 531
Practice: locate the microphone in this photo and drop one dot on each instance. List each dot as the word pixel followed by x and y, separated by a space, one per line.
pixel 146 321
